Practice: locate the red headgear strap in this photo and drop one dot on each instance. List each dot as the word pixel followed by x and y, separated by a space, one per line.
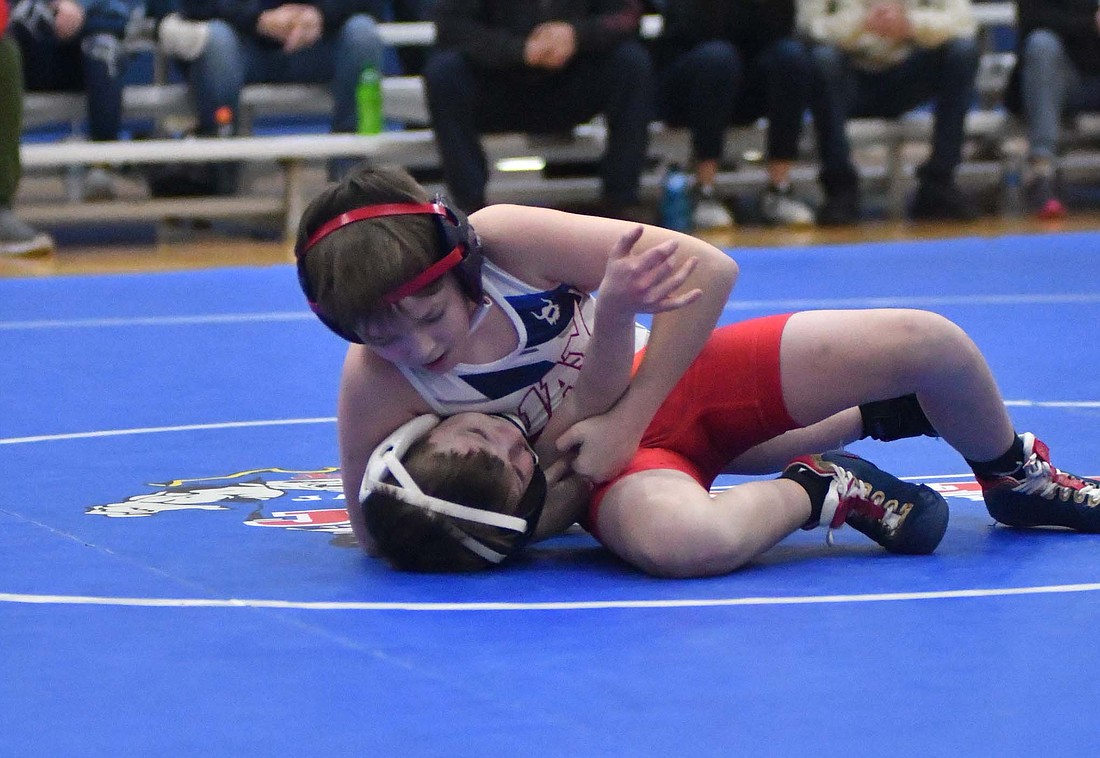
pixel 425 277
pixel 373 211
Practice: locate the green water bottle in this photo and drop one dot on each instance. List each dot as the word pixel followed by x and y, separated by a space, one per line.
pixel 368 100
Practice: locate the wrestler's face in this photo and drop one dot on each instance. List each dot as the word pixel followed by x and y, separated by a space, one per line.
pixel 423 330
pixel 477 432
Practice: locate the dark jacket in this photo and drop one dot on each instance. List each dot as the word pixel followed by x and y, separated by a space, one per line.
pixel 243 14
pixel 1074 21
pixel 492 32
pixel 751 25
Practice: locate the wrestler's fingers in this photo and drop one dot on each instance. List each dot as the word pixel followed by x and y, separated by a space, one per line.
pixel 625 244
pixel 558 471
pixel 679 301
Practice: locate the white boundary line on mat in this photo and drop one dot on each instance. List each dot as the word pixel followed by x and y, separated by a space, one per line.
pixel 585 605
pixel 1087 404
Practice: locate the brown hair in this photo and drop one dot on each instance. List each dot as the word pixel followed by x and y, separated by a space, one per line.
pixel 347 273
pixel 412 538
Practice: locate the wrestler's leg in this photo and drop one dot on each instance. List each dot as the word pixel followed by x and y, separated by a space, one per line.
pixel 833 433
pixel 836 360
pixel 666 524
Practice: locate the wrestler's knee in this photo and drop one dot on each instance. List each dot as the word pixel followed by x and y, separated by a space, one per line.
pixel 923 341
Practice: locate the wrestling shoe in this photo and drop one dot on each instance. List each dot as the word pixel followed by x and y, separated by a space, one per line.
pixel 1038 494
pixel 902 517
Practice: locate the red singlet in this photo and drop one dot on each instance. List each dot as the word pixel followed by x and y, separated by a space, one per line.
pixel 728 401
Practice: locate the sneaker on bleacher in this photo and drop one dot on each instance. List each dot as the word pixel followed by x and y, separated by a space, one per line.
pixel 942 200
pixel 18 238
pixel 710 212
pixel 780 207
pixel 1042 197
pixel 841 208
pixel 98 185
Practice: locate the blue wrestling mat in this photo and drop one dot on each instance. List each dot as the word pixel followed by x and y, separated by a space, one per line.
pixel 177 577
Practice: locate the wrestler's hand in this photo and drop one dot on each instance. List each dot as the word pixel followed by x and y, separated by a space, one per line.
pixel 598 447
pixel 646 281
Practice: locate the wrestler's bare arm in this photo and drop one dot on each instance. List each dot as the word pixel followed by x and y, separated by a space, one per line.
pixel 374 400
pixel 548 247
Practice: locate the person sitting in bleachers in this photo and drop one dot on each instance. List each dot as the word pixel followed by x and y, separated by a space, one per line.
pixel 16 237
pixel 541 67
pixel 881 58
pixel 1057 75
pixel 270 41
pixel 723 62
pixel 78 46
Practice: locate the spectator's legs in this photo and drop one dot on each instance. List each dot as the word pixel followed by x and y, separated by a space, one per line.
pixel 833 88
pixel 16 237
pixel 697 90
pixel 787 66
pixel 218 75
pixel 785 70
pixel 358 45
pixel 11 118
pixel 454 91
pixel 105 63
pixel 1046 75
pixel 944 75
pixel 1048 83
pixel 627 83
pixel 954 69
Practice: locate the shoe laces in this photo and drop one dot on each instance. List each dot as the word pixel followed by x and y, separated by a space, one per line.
pixel 854 496
pixel 1049 483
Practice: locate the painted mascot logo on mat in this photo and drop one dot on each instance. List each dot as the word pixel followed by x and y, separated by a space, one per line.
pixel 273 490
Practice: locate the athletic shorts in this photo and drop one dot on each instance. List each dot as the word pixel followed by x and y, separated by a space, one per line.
pixel 728 401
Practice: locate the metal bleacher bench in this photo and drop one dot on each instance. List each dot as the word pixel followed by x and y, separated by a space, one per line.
pixel 414 147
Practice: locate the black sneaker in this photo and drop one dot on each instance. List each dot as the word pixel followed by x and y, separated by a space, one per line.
pixel 839 209
pixel 938 200
pixel 1041 495
pixel 902 517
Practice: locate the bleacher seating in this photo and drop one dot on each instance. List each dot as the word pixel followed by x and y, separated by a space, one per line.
pixel 413 145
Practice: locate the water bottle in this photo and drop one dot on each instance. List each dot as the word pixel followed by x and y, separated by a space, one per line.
pixel 1012 191
pixel 676 199
pixel 368 101
pixel 223 174
pixel 223 120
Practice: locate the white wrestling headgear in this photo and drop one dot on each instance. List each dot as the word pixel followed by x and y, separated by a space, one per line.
pixel 386 460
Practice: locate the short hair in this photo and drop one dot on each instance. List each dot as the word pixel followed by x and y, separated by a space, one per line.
pixel 412 538
pixel 348 272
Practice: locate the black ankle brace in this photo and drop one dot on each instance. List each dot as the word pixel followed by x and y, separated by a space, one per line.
pixel 1005 464
pixel 895 419
pixel 816 486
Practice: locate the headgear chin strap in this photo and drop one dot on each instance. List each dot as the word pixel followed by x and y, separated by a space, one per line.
pixel 461 252
pixel 387 460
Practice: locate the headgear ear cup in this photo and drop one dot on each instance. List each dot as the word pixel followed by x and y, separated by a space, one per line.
pixel 455 230
pixel 455 235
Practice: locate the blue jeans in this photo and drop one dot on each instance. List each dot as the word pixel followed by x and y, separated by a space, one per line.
pixel 1051 87
pixel 712 86
pixel 466 101
pixel 231 61
pixel 943 75
pixel 94 64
